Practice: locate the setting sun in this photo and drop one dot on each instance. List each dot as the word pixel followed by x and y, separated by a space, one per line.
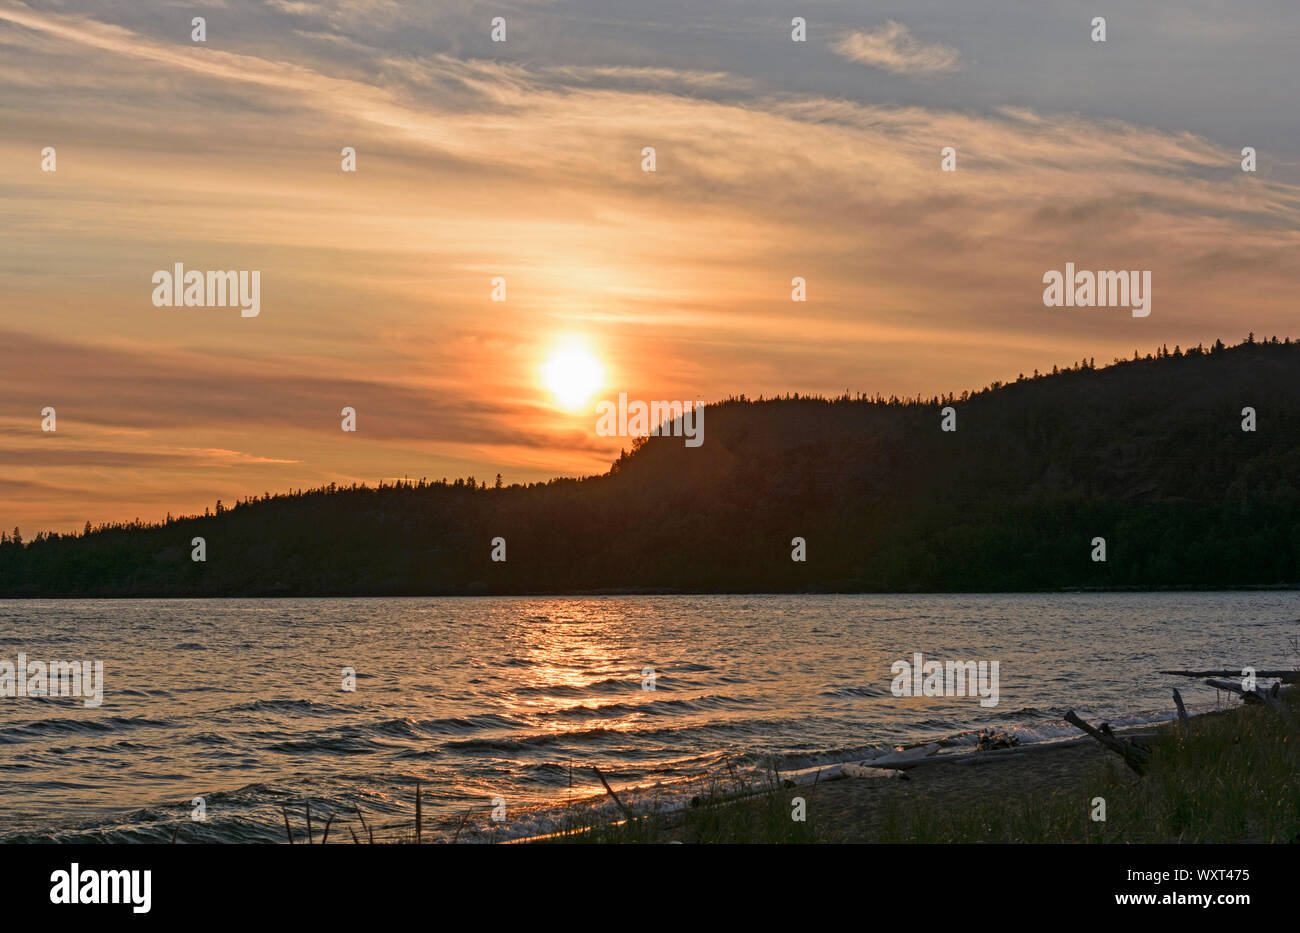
pixel 573 376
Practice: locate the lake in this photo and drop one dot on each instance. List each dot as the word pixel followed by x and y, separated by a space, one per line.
pixel 507 703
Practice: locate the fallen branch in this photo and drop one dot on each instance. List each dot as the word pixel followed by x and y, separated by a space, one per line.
pixel 904 758
pixel 626 812
pixel 1136 757
pixel 463 820
pixel 1182 710
pixel 1287 677
pixel 1270 698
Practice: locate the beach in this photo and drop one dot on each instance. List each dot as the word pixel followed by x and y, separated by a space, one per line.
pixel 1228 776
pixel 856 809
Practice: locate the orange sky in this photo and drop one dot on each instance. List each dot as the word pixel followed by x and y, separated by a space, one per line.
pixel 476 162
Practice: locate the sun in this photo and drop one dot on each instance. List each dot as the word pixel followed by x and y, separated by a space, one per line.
pixel 573 375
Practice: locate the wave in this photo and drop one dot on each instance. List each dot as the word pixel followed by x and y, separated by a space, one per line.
pixel 284 705
pixel 870 692
pixel 63 726
pixel 655 707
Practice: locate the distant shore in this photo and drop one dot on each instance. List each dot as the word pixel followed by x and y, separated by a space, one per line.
pixel 651 591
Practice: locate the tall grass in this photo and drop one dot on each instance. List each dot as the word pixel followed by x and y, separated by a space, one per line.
pixel 1230 777
pixel 731 809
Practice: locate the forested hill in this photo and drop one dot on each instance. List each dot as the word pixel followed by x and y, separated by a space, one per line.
pixel 1148 454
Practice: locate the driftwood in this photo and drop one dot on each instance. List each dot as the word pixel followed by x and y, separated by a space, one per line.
pixel 1135 756
pixel 902 758
pixel 1182 710
pixel 1271 698
pixel 989 740
pixel 609 790
pixel 1287 677
pixel 463 820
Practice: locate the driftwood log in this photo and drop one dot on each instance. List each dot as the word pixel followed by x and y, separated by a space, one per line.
pixel 1286 677
pixel 1135 756
pixel 1182 710
pixel 1138 756
pixel 1271 698
pixel 609 790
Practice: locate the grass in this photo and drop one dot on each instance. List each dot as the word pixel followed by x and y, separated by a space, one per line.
pixel 1226 777
pixel 732 809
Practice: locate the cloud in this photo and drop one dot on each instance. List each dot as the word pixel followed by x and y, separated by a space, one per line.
pixel 632 78
pixel 118 387
pixel 376 286
pixel 894 48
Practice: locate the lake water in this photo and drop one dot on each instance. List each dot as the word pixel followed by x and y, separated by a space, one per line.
pixel 240 701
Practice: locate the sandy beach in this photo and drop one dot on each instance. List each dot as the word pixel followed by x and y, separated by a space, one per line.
pixel 854 809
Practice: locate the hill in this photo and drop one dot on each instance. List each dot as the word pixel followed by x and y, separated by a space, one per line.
pixel 1147 453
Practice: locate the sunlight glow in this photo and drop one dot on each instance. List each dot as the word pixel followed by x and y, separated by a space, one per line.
pixel 573 375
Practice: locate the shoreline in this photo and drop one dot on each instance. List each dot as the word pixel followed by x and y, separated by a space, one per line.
pixel 670 800
pixel 956 774
pixel 1226 776
pixel 654 591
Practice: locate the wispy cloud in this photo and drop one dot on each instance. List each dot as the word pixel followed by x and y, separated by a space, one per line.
pixel 894 48
pixel 472 166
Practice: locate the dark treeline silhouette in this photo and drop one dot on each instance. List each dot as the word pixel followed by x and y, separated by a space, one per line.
pixel 1147 453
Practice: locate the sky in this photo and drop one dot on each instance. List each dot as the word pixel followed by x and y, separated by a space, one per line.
pixel 523 160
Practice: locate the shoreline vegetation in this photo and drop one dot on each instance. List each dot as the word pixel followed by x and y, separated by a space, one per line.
pixel 1174 470
pixel 1224 776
